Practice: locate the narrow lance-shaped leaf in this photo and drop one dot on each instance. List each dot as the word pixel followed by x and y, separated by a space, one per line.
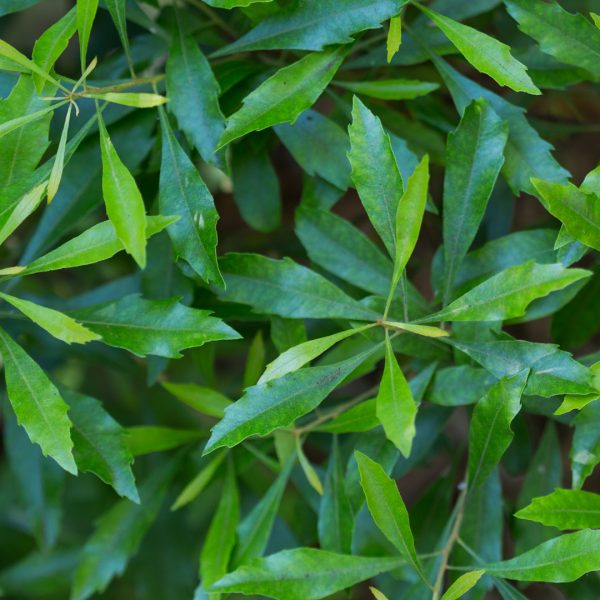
pixel 336 518
pixel 158 327
pixel 220 538
pixel 52 43
pixel 59 159
pixel 387 509
pixel 86 13
pixel 118 13
pixel 37 403
pixel 585 447
pixel 394 37
pixel 375 172
pixel 474 159
pixel 485 53
pixel 390 89
pixel 462 585
pixel 285 95
pixel 135 99
pixel 124 203
pixel 205 400
pixel 309 471
pixel 508 294
pixel 278 403
pixel 303 574
pixel 194 95
pixel 396 408
pixel 565 509
pixel 12 124
pixel 490 432
pixel 559 560
pixel 578 211
pixel 12 54
pixel 183 193
pixel 54 322
pixel 25 207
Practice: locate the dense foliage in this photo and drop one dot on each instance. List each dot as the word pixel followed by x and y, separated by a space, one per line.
pixel 298 298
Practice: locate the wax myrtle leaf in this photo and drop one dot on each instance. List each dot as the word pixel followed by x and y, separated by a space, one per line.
pixel 287 289
pixel 38 405
pixel 485 53
pixel 51 44
pixel 16 58
pixel 394 38
pixel 183 193
pixel 475 157
pixel 118 13
pixel 158 327
pixel 390 89
pixel 193 92
pixel 565 509
pixel 99 444
pixel 336 518
pixel 124 203
pixel 86 13
pixel 303 574
pixel 375 172
pixel 387 508
pixel 134 99
pixel 145 439
pixel 585 449
pixel 307 26
pixel 395 406
pixel 278 403
pixel 205 400
pixel 118 534
pixel 285 95
pixel 508 294
pixel 309 471
pixel 25 206
pixel 462 585
pixel 490 433
pixel 579 401
pixel 564 558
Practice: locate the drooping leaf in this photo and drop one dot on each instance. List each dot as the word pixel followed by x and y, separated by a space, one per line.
pixel 485 53
pixel 158 327
pixel 306 26
pixel 564 558
pixel 278 403
pixel 508 294
pixel 124 203
pixel 395 406
pixel 490 432
pixel 303 574
pixel 287 289
pixel 39 407
pixel 285 95
pixel 193 92
pixel 387 508
pixel 183 193
pixel 475 157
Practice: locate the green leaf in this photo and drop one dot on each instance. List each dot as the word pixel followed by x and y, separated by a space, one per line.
pixel 485 53
pixel 287 289
pixel 86 13
pixel 254 529
pixel 124 203
pixel 474 159
pixel 205 400
pixel 158 327
pixel 394 37
pixel 395 406
pixel 118 13
pixel 585 447
pixel 297 356
pixel 390 89
pixel 564 558
pixel 424 330
pixel 307 25
pixel 135 99
pixel 220 538
pixel 278 403
pixel 145 439
pixel 59 159
pixel 570 38
pixel 336 519
pixel 309 471
pixel 303 574
pixel 564 509
pixel 462 585
pixel 285 95
pixel 23 209
pixel 361 417
pixel 18 122
pixel 229 4
pixel 118 534
pixel 37 403
pixel 183 193
pixel 578 211
pixel 255 361
pixel 98 243
pixel 387 508
pixel 375 172
pixel 99 444
pixel 193 92
pixel 508 294
pixel 579 401
pixel 552 371
pixel 54 322
pixel 377 594
pixel 51 44
pixel 490 432
pixel 13 55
